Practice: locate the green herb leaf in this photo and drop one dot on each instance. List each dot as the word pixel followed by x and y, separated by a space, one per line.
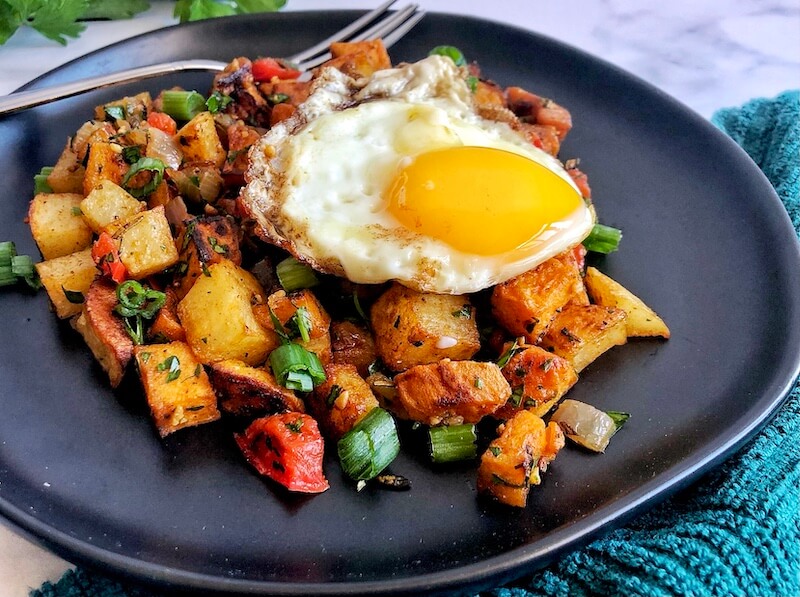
pixel 114 9
pixel 153 165
pixel 619 418
pixel 73 296
pixel 172 366
pixel 114 112
pixel 451 52
pixel 217 101
pixel 55 19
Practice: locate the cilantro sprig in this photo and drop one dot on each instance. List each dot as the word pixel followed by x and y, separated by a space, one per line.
pixel 62 19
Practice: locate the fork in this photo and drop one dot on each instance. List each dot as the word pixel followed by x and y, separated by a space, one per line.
pixel 390 29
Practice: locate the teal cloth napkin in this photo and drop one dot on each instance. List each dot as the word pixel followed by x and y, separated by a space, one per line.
pixel 736 531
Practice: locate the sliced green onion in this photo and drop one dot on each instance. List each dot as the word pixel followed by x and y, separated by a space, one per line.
pixel 182 105
pixel 293 275
pixel 510 352
pixel 299 381
pixel 472 82
pixel 40 181
pixel 451 52
pixel 217 101
pixel 293 358
pixel 155 166
pixel 14 267
pixel 450 443
pixel 8 250
pixel 370 446
pixel 603 239
pixel 277 98
pixel 7 277
pixel 22 266
pixel 301 322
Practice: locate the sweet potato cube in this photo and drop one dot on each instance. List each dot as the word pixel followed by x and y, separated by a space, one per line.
pixel 200 142
pixel 206 240
pixel 66 279
pixel 538 380
pixel 352 343
pixel 247 391
pixel 359 59
pixel 57 224
pixel 416 328
pixel 68 172
pixel 177 387
pixel 107 203
pixel 641 320
pixel 105 162
pixel 146 246
pixel 526 304
pixel 581 333
pixel 217 316
pixel 514 460
pixel 451 392
pixel 285 306
pixel 341 401
pixel 166 326
pixel 104 331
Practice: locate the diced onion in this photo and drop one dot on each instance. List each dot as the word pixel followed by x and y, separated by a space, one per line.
pixel 585 425
pixel 163 146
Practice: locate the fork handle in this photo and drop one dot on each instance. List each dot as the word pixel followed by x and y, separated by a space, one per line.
pixel 27 99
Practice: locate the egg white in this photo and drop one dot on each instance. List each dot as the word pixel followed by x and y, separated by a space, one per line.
pixel 316 181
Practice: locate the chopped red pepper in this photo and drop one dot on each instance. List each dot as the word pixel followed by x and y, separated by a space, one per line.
pixel 163 122
pixel 287 448
pixel 265 68
pixel 105 253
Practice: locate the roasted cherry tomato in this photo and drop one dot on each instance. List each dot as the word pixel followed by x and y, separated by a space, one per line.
pixel 162 121
pixel 265 68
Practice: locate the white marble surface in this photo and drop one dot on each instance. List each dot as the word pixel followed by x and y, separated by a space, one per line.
pixel 707 53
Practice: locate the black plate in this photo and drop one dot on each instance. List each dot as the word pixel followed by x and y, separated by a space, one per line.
pixel 706 243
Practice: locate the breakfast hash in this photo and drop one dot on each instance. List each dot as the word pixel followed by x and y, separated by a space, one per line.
pixel 322 259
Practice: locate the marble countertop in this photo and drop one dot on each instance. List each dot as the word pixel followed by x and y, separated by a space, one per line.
pixel 708 54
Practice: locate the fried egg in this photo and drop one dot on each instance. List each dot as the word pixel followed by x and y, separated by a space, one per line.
pixel 397 177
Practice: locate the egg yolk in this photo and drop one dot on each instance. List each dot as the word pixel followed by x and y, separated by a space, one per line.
pixel 480 200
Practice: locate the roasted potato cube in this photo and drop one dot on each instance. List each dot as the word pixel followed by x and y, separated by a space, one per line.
pixel 359 59
pixel 578 294
pixel 513 461
pixel 416 328
pixel 352 343
pixel 105 162
pixel 451 392
pixel 67 175
pixel 538 380
pixel 525 305
pixel 166 326
pixel 104 331
pixel 133 108
pixel 108 203
pixel 177 387
pixel 200 142
pixel 341 401
pixel 66 277
pixel 206 240
pixel 285 306
pixel 247 391
pixel 488 93
pixel 217 316
pixel 57 224
pixel 641 320
pixel 581 333
pixel 146 246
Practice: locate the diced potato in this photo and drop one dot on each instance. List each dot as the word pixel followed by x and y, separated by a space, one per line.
pixel 581 333
pixel 352 343
pixel 578 294
pixel 134 108
pixel 341 401
pixel 107 203
pixel 451 392
pixel 57 224
pixel 359 59
pixel 217 316
pixel 206 240
pixel 67 175
pixel 200 142
pixel 160 196
pixel 513 462
pixel 105 162
pixel 104 331
pixel 285 306
pixel 641 321
pixel 93 131
pixel 416 328
pixel 538 380
pixel 247 391
pixel 166 326
pixel 146 246
pixel 177 387
pixel 488 93
pixel 525 305
pixel 66 276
